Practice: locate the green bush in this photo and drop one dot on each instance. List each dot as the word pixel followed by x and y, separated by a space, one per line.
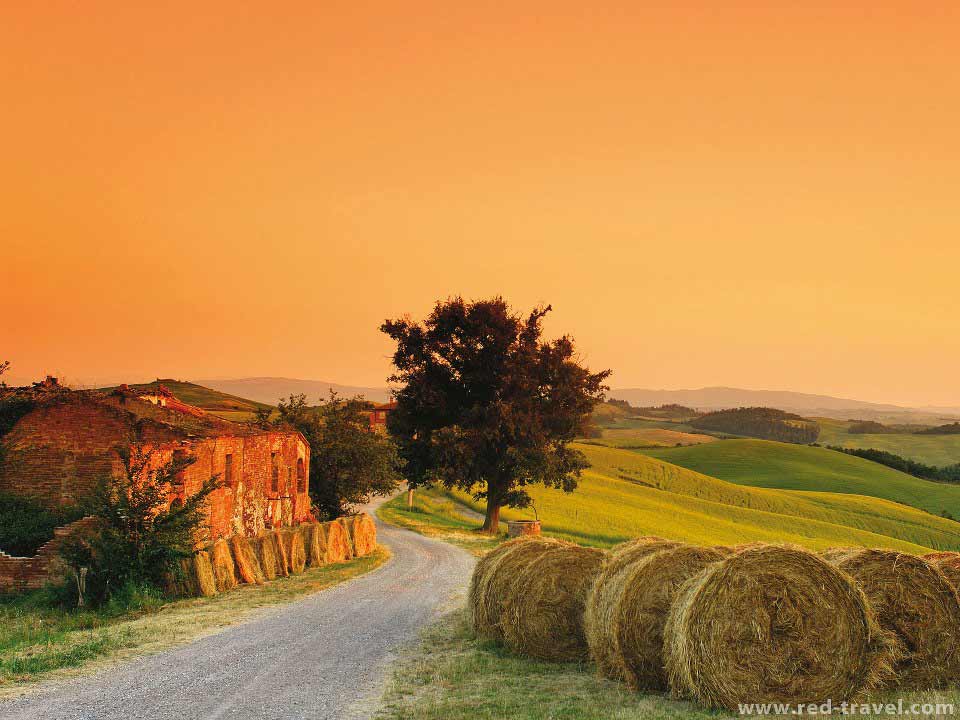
pixel 140 536
pixel 26 523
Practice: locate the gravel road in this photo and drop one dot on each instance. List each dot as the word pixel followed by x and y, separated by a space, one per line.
pixel 321 657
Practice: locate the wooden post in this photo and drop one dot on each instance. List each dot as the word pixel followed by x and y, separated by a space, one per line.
pixel 409 497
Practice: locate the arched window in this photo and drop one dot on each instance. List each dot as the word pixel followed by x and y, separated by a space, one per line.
pixel 301 476
pixel 274 474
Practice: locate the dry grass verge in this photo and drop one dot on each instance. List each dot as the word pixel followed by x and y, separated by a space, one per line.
pixel 39 644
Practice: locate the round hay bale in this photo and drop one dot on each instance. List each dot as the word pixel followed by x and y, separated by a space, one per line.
pixel 245 561
pixel 773 624
pixel 643 597
pixel 316 544
pixel 913 600
pixel 280 549
pixel 364 534
pixel 338 546
pixel 206 583
pixel 480 572
pixel 181 581
pixel 936 557
pixel 267 555
pixel 223 567
pixel 501 574
pixel 739 548
pixel 950 567
pixel 602 598
pixel 543 610
pixel 346 522
pixel 725 550
pixel 833 554
pixel 292 540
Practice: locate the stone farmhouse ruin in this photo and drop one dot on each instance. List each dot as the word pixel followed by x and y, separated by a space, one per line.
pixel 65 441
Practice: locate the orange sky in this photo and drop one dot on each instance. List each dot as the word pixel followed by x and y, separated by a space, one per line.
pixel 763 195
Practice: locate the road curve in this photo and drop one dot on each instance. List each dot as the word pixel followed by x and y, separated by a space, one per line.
pixel 324 656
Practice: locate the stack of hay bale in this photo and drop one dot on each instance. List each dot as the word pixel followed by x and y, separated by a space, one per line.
pixel 756 623
pixel 275 553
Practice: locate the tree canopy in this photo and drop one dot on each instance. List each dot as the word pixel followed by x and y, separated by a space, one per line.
pixel 486 405
pixel 349 463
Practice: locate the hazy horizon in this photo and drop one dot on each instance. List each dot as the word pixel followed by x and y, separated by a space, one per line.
pixel 106 381
pixel 756 197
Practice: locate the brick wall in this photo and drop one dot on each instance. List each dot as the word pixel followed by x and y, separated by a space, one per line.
pixel 58 451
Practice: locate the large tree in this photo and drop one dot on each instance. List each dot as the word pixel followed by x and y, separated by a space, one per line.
pixel 486 405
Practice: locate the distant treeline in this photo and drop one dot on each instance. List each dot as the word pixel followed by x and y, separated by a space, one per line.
pixel 671 411
pixel 951 429
pixel 870 427
pixel 950 473
pixel 760 422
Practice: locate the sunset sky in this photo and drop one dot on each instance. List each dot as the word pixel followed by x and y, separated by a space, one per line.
pixel 762 195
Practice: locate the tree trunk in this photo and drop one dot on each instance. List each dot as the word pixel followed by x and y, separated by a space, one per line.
pixel 491 522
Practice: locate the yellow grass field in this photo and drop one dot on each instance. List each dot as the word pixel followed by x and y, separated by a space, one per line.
pixel 625 494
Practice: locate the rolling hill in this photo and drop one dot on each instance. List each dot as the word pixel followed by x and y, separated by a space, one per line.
pixel 204 397
pixel 763 463
pixel 714 398
pixel 931 449
pixel 271 389
pixel 625 494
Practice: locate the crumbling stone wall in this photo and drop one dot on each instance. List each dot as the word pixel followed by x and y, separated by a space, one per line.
pixel 59 450
pixel 30 573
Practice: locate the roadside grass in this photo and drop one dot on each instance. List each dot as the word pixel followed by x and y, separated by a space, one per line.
pixel 436 515
pixel 450 674
pixel 38 642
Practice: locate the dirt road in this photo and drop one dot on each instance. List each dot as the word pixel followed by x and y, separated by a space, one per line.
pixel 321 657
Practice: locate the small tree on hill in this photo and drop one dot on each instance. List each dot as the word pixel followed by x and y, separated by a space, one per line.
pixel 349 463
pixel 488 407
pixel 140 536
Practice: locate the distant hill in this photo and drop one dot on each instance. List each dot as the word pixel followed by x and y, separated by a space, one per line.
pixel 760 422
pixel 719 398
pixel 271 389
pixel 203 397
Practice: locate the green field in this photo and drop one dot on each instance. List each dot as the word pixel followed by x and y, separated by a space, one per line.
pixel 625 494
pixel 930 449
pixel 649 437
pixel 762 463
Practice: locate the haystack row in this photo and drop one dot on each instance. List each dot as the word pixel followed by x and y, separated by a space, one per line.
pixel 724 626
pixel 275 553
